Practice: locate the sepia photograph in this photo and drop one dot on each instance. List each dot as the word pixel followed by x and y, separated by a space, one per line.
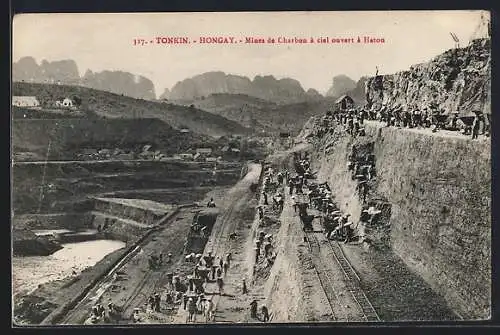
pixel 251 168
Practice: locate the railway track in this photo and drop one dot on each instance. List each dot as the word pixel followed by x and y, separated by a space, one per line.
pixel 353 283
pixel 323 274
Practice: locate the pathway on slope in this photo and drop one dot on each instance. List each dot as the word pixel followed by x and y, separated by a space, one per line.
pixel 238 213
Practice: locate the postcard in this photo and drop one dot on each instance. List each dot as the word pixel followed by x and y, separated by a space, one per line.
pixel 251 168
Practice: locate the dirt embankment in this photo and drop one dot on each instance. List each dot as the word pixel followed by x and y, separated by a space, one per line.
pixel 438 190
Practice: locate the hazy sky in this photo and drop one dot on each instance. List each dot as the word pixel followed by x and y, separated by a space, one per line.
pixel 105 42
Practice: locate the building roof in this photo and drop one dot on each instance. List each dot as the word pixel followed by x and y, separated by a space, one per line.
pixel 342 98
pixel 204 150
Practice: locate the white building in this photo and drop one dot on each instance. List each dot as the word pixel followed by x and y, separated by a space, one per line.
pixel 67 102
pixel 25 101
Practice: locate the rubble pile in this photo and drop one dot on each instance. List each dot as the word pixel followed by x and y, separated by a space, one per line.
pixel 457 80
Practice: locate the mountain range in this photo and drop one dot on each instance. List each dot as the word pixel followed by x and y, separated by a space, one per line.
pixel 66 72
pixel 281 91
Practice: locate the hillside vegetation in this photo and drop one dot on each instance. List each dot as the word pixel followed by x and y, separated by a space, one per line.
pixel 112 105
pixel 260 114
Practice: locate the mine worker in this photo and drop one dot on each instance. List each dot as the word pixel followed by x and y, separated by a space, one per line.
pixel 264 194
pixel 229 257
pixel 253 309
pixel 220 285
pixel 355 126
pixel 136 316
pixel 211 203
pixel 219 272
pixel 111 308
pixel 92 320
pixel 281 203
pixel 151 302
pixel 244 288
pixel 265 313
pixel 157 300
pixel 267 248
pixel 350 125
pixel 257 251
pixel 208 260
pixel 168 298
pixel 291 185
pixel 475 127
pixel 169 257
pixel 199 302
pixel 280 178
pixel 191 310
pixel 261 212
pixel 214 268
pixel 298 188
pixel 209 309
pixel 225 266
pixel 185 299
pixel 257 244
pixel 203 231
pixel 95 311
pixel 101 310
pixel 219 261
pixel 191 284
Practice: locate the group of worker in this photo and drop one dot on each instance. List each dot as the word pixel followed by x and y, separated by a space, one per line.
pixel 335 224
pixel 155 262
pixel 435 119
pixel 199 304
pixel 265 316
pixel 263 247
pixel 99 314
pixel 362 169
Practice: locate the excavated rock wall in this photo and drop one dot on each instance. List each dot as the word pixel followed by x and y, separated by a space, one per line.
pixel 457 80
pixel 439 190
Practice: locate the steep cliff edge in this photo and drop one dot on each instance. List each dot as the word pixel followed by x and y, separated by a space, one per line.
pixel 457 80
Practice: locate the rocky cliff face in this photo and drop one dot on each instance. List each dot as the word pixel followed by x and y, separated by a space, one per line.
pixel 165 95
pixel 66 72
pixel 358 93
pixel 341 84
pixel 284 90
pixel 457 80
pixel 120 82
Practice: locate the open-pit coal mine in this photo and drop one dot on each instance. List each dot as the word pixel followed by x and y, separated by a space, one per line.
pixel 374 212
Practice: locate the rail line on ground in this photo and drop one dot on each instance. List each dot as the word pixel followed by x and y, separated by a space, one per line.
pixel 353 283
pixel 323 275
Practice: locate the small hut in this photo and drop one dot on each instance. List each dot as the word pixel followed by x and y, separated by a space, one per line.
pixel 344 102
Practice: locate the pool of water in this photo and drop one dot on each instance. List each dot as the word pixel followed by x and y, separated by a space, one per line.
pixel 31 271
